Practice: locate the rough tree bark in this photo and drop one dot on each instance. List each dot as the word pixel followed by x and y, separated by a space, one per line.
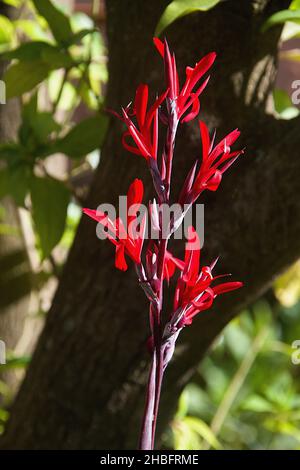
pixel 85 385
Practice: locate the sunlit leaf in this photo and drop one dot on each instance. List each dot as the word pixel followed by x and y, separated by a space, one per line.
pixel 281 17
pixel 295 5
pixel 287 286
pixel 13 3
pixel 84 137
pixel 32 29
pixel 257 404
pixel 283 105
pixel 17 182
pixel 20 362
pixel 6 30
pixel 179 8
pixel 190 432
pixel 24 76
pixel 58 22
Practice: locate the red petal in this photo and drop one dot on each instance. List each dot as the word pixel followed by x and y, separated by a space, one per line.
pixel 175 75
pixel 169 72
pixel 202 86
pixel 120 261
pixel 205 140
pixel 226 287
pixel 140 104
pixel 213 183
pixel 135 193
pixel 188 183
pixel 194 102
pixel 192 256
pixel 137 136
pixel 228 141
pixel 154 107
pixel 200 69
pixel 129 147
pixel 159 46
pixel 171 263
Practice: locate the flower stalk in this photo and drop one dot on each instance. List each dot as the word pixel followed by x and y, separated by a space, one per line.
pixel 195 288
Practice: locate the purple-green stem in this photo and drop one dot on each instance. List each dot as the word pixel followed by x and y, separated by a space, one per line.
pixel 149 422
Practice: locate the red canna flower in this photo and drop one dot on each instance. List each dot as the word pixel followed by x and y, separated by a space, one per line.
pixel 188 97
pixel 145 133
pixel 170 262
pixel 128 241
pixel 194 292
pixel 215 161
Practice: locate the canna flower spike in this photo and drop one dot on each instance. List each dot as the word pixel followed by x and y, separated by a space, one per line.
pixel 195 287
pixel 185 100
pixel 127 240
pixel 144 134
pixel 215 161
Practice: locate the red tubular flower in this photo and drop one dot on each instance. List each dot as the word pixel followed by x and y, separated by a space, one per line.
pixel 170 262
pixel 145 133
pixel 188 97
pixel 215 161
pixel 127 241
pixel 194 292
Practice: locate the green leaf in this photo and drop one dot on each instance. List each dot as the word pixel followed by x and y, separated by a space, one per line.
pixel 77 37
pixel 6 30
pixel 13 3
pixel 14 180
pixel 85 137
pixel 258 404
pixel 43 124
pixel 3 182
pixel 10 152
pixel 283 105
pixel 179 8
pixel 53 56
pixel 58 22
pixel 281 100
pixel 31 28
pixel 69 94
pixel 50 199
pixel 281 17
pixel 36 127
pixel 20 362
pixel 22 77
pixel 57 59
pixel 295 5
pixel 28 51
pixel 19 183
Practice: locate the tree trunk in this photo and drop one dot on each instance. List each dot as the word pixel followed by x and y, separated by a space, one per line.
pixel 85 386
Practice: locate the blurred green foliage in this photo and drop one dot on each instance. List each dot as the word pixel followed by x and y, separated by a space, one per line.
pixel 57 66
pixel 246 393
pixel 179 8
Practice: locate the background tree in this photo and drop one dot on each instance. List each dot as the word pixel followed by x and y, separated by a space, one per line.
pixel 84 387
